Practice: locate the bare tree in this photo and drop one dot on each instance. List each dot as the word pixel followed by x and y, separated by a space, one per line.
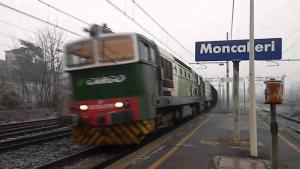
pixel 38 67
pixel 50 41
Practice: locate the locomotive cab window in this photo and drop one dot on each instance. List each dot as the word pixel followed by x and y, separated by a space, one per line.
pixel 147 53
pixel 116 49
pixel 80 54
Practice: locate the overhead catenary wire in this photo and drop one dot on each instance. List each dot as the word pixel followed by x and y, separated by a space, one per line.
pixel 164 30
pixel 39 19
pixel 291 45
pixel 16 26
pixel 144 29
pixel 19 39
pixel 131 18
pixel 141 26
pixel 61 11
pixel 9 36
pixel 294 32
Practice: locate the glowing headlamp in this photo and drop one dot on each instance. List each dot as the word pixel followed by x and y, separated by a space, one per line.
pixel 119 104
pixel 83 107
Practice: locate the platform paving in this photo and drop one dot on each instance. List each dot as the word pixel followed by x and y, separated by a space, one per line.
pixel 199 146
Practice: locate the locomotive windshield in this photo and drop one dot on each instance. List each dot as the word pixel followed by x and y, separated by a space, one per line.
pixel 108 50
pixel 80 54
pixel 116 49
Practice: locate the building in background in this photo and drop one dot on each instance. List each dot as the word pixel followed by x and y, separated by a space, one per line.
pixel 9 57
pixel 2 65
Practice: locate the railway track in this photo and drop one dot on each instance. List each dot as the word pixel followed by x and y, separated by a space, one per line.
pixel 14 135
pixel 92 157
pixel 16 125
pixel 105 156
pixel 291 123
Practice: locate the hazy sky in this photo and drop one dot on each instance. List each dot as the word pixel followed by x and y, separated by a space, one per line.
pixel 189 21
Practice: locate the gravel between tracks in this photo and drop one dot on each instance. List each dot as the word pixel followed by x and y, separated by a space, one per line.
pixel 33 156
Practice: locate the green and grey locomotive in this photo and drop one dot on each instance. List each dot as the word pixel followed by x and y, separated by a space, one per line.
pixel 125 87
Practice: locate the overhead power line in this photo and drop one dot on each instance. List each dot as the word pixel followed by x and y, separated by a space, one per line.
pixel 291 45
pixel 139 25
pixel 16 26
pixel 9 36
pixel 39 19
pixel 16 38
pixel 61 11
pixel 291 34
pixel 162 28
pixel 131 18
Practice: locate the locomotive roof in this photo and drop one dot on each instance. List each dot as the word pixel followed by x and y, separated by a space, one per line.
pixel 165 53
pixel 107 35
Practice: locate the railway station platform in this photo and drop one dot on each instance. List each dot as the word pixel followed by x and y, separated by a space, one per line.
pixel 207 144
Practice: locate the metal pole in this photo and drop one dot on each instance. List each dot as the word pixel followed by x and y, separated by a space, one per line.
pixel 219 92
pixel 223 92
pixel 235 93
pixel 227 82
pixel 274 132
pixel 252 110
pixel 244 97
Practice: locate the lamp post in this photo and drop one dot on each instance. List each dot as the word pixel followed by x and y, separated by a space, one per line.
pixel 252 109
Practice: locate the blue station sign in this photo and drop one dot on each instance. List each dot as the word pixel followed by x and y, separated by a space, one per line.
pixel 265 49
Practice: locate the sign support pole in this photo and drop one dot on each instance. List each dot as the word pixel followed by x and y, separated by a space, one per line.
pixel 235 93
pixel 252 110
pixel 223 92
pixel 227 76
pixel 227 84
pixel 244 97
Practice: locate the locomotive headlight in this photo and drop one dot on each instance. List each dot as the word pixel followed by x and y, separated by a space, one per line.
pixel 83 107
pixel 119 104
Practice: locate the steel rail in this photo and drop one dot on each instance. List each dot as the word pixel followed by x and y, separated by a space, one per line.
pixel 36 129
pixel 33 139
pixel 27 127
pixel 25 123
pixel 109 158
pixel 295 121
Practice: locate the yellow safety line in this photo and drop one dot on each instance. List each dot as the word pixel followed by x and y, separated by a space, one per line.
pixel 293 146
pixel 174 149
pixel 284 139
